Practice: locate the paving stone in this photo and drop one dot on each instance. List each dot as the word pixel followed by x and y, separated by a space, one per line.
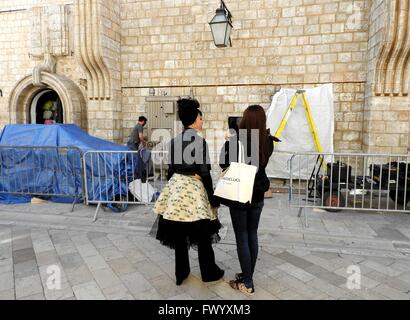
pixel 296 272
pixel 391 293
pixel 101 242
pixel 79 275
pixel 95 235
pixel 65 248
pixel 106 278
pixel 28 286
pixel 398 283
pixel 275 273
pixel 150 294
pixel 183 296
pixel 367 294
pixel 290 295
pixel 296 261
pixel 46 258
pixel 119 292
pixel 59 237
pixel 6 281
pixel 358 228
pixel 166 286
pixel 121 266
pixel 135 255
pixel 23 255
pixel 25 269
pixel 22 243
pixel 300 287
pixel 7 294
pixel 196 288
pixel 148 269
pixel 336 227
pixel 87 250
pixel 110 253
pixel 71 260
pixel 43 244
pixel 5 253
pixel 88 291
pixel 123 244
pixel 95 262
pixel 400 266
pixel 79 238
pixel 326 264
pixel 6 266
pixel 136 283
pixel 326 255
pixel 262 294
pixel 38 296
pixel 325 275
pixel 387 232
pixel 224 290
pixel 382 260
pixel 380 268
pixel 158 257
pixel 329 289
pixel 64 293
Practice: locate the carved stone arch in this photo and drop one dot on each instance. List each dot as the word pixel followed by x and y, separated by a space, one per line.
pixel 72 99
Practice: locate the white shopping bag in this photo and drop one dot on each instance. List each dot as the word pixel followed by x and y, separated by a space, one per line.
pixel 236 183
pixel 142 191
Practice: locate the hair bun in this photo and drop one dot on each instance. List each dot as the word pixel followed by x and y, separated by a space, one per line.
pixel 188 110
pixel 188 103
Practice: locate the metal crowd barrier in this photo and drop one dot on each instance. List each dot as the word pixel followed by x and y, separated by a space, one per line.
pixel 46 172
pixel 121 178
pixel 334 182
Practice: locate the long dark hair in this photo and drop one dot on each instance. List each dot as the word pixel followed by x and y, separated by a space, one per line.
pixel 254 117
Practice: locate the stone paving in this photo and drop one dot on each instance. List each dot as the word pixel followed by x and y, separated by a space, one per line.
pixel 118 258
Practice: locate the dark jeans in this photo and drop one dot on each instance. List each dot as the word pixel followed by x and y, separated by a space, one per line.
pixel 245 225
pixel 209 270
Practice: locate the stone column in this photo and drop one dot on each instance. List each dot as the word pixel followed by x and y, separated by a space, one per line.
pixel 98 51
pixel 387 107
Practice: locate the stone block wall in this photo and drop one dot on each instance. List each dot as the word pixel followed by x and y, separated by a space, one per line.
pixel 14 60
pixel 168 45
pixel 387 107
pixel 130 46
pixel 16 48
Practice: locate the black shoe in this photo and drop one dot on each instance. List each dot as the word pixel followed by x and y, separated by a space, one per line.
pixel 218 276
pixel 180 280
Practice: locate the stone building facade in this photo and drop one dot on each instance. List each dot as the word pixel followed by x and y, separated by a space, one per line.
pixel 104 59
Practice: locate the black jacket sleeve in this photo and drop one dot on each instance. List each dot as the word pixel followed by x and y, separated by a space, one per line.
pixel 205 174
pixel 171 169
pixel 224 156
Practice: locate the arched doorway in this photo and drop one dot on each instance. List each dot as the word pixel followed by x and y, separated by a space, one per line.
pixel 46 107
pixel 26 100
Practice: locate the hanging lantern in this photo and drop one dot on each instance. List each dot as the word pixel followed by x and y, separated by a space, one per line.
pixel 221 27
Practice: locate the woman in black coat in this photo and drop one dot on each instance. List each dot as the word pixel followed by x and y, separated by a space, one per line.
pixel 186 205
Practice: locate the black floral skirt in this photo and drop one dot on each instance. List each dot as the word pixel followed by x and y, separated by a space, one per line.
pixel 170 232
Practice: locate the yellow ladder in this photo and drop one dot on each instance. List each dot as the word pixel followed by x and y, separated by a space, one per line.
pixel 315 136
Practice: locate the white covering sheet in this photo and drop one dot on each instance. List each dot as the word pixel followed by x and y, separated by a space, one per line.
pixel 296 136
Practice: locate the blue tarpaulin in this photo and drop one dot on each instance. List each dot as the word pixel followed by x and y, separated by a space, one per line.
pixel 55 171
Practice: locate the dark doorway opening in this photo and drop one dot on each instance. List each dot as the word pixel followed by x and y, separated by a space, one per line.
pixel 46 108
